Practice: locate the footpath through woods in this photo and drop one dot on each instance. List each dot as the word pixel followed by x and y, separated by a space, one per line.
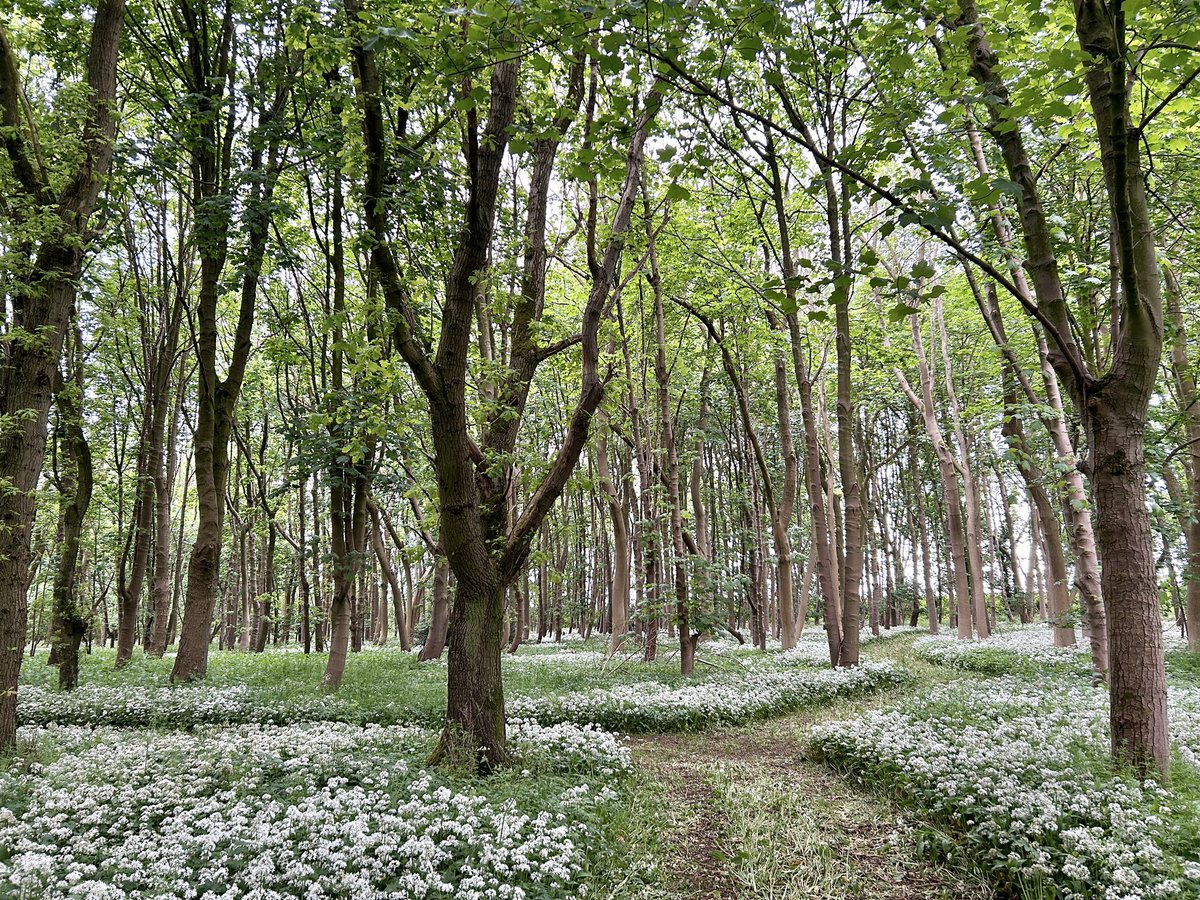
pixel 751 816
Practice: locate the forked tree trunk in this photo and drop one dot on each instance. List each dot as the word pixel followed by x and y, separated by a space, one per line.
pixel 1113 406
pixel 217 397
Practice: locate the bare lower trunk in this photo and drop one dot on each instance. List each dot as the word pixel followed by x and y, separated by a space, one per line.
pixel 75 480
pixel 1080 533
pixel 1138 683
pixel 475 694
pixel 164 481
pixel 339 635
pixel 439 625
pixel 1189 408
pixel 191 660
pixel 931 600
pixel 616 512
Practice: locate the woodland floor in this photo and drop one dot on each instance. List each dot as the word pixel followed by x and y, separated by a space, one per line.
pixel 749 816
pixel 716 814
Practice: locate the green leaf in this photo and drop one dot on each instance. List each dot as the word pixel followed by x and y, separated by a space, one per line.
pixel 678 192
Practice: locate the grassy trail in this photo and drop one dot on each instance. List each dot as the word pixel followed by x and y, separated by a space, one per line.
pixel 748 816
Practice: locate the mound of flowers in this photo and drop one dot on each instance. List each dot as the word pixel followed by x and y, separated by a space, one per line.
pixel 1025 649
pixel 1018 769
pixel 555 657
pixel 724 700
pixel 298 812
pixel 186 706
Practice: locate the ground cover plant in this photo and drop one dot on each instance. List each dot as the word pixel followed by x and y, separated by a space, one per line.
pixel 1021 649
pixel 716 701
pixel 547 682
pixel 303 811
pixel 1030 648
pixel 1017 768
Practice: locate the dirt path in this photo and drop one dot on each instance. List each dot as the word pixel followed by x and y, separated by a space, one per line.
pixel 751 817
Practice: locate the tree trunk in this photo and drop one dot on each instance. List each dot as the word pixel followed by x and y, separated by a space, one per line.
pixel 217 397
pixel 439 623
pixel 616 513
pixel 75 486
pixel 687 639
pixel 48 294
pixel 949 478
pixel 1189 409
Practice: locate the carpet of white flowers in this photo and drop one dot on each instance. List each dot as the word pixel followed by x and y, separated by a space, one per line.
pixel 1017 768
pixel 175 705
pixel 297 811
pixel 1026 648
pixel 1017 649
pixel 723 700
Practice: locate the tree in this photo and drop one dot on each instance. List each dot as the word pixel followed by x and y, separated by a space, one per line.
pixel 485 544
pixel 209 68
pixel 50 205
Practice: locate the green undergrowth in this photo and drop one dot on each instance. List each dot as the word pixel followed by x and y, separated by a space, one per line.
pixel 1014 774
pixel 382 686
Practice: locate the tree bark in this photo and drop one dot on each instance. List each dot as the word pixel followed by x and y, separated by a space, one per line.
pixel 47 296
pixel 208 71
pixel 75 483
pixel 1114 406
pixel 1189 409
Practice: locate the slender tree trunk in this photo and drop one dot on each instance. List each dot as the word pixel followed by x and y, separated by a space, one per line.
pixel 687 638
pixel 75 485
pixel 616 513
pixel 211 157
pixel 1189 408
pixel 439 624
pixel 949 479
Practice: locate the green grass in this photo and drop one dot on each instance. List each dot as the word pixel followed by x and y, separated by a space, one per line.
pixel 1183 668
pixel 380 685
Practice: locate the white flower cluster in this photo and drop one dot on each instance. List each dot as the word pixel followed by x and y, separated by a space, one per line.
pixel 1019 649
pixel 556 657
pixel 270 812
pixel 1024 648
pixel 566 747
pixel 1183 714
pixel 1018 768
pixel 652 706
pixel 178 706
